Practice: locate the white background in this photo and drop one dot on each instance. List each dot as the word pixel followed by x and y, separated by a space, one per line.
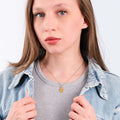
pixel 12 31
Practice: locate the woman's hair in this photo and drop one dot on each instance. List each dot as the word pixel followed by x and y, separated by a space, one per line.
pixel 34 51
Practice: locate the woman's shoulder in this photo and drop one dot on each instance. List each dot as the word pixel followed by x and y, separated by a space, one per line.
pixel 109 81
pixel 112 79
pixel 7 72
pixel 6 77
pixel 112 83
pixel 113 90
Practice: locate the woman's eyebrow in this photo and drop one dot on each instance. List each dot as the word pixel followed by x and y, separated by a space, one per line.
pixel 60 4
pixel 57 5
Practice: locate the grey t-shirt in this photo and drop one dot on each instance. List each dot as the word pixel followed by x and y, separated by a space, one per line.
pixel 50 103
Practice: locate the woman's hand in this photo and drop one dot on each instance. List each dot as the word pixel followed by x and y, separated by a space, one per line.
pixel 81 109
pixel 24 109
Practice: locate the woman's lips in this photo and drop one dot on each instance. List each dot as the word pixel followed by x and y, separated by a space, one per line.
pixel 52 40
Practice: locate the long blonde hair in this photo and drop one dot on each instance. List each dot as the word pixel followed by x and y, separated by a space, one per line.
pixel 33 50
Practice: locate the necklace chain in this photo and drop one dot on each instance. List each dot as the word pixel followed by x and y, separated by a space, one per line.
pixel 61 85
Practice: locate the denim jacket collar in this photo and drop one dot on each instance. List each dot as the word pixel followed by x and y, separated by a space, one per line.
pixel 95 79
pixel 17 78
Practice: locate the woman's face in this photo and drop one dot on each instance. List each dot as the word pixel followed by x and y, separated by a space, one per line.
pixel 60 19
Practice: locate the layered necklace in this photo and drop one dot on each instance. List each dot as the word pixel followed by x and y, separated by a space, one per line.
pixel 62 84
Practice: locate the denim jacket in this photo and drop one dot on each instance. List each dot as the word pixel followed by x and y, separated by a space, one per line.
pixel 102 90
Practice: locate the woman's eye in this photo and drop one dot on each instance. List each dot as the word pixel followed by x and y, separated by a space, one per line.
pixel 40 14
pixel 62 12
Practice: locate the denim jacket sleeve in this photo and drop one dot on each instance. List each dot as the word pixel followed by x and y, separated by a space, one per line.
pixel 114 94
pixel 5 80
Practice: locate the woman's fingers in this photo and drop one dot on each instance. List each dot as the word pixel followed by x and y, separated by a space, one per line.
pixel 75 107
pixel 82 101
pixel 29 107
pixel 74 116
pixel 24 109
pixel 31 114
pixel 81 109
pixel 25 101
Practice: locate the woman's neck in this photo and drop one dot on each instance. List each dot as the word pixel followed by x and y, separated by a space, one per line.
pixel 63 64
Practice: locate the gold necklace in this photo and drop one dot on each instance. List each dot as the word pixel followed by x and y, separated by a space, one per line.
pixel 61 85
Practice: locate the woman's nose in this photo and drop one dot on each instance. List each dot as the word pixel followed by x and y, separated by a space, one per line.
pixel 49 24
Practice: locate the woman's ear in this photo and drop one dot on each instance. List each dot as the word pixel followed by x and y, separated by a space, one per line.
pixel 85 25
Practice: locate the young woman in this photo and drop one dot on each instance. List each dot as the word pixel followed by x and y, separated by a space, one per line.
pixel 61 75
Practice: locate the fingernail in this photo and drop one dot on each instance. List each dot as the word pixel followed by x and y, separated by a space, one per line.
pixel 82 95
pixel 26 94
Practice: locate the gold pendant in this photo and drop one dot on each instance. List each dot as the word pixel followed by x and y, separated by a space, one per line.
pixel 61 89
